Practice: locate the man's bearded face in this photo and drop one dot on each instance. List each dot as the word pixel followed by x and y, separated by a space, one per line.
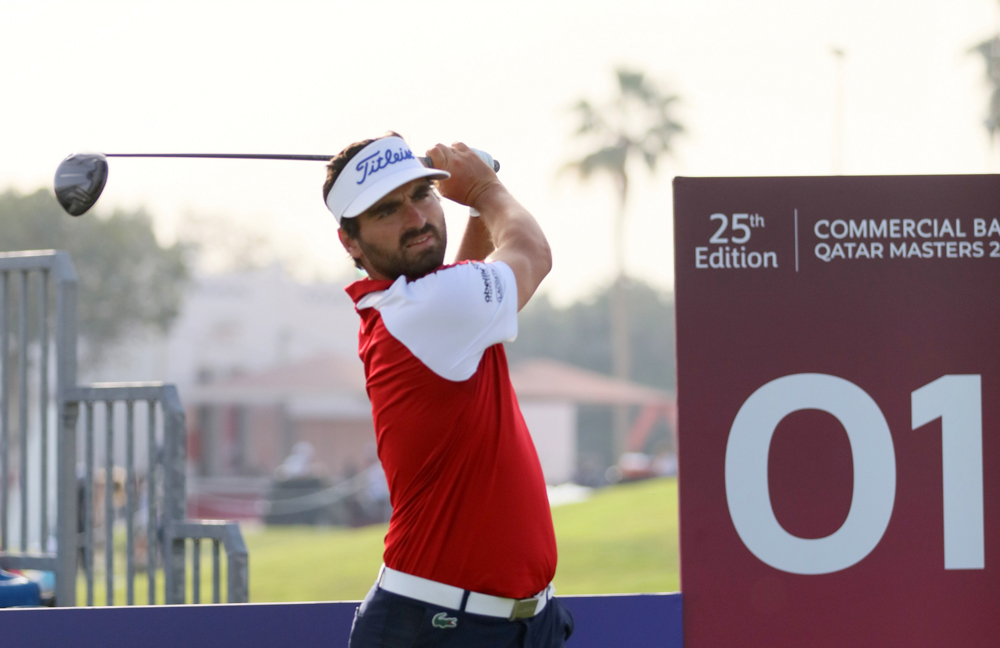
pixel 418 252
pixel 403 234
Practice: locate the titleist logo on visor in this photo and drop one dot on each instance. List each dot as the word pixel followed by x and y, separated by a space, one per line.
pixel 380 160
pixel 375 171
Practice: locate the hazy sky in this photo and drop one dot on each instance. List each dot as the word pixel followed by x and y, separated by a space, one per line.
pixel 756 82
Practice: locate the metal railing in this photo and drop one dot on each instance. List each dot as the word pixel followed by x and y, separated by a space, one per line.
pixel 20 271
pixel 87 506
pixel 226 534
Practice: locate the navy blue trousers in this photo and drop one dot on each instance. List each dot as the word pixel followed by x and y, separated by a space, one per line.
pixel 387 620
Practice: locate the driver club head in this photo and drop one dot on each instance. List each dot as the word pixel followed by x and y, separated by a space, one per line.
pixel 80 180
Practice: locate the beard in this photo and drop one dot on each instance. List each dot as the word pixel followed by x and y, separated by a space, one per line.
pixel 404 262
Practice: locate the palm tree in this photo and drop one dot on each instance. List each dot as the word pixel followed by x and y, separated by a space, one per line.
pixel 636 124
pixel 990 51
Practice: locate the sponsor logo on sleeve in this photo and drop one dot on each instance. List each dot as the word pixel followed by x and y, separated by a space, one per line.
pixel 487 285
pixel 498 284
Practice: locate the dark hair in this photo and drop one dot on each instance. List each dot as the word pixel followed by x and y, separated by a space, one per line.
pixel 337 163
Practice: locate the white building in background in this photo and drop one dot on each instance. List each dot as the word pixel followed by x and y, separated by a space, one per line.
pixel 230 325
pixel 237 323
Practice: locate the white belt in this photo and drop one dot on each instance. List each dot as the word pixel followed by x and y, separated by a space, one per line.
pixel 448 596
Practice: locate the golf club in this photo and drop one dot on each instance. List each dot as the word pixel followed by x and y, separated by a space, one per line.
pixel 81 177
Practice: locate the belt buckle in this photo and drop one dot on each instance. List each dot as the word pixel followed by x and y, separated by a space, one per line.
pixel 524 608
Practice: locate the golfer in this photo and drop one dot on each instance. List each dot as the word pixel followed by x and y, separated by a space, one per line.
pixel 470 552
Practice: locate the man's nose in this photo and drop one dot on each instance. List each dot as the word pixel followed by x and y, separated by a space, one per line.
pixel 412 216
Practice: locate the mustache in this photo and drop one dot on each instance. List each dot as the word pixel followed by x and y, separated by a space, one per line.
pixel 409 235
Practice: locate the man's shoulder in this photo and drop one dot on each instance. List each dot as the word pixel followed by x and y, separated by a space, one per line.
pixel 362 288
pixel 458 283
pixel 448 317
pixel 459 269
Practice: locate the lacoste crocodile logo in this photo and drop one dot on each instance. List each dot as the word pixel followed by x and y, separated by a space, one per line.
pixel 442 620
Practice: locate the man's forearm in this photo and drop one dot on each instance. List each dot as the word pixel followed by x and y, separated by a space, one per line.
pixel 477 244
pixel 510 228
pixel 518 238
pixel 508 223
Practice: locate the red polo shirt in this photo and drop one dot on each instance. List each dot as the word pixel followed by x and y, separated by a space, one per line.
pixel 468 496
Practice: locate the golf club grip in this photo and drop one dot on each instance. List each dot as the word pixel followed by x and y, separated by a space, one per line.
pixel 483 155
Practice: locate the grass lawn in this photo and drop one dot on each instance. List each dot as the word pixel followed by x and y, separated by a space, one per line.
pixel 624 539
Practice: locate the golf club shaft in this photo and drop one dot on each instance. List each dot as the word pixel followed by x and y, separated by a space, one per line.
pixel 81 177
pixel 426 161
pixel 227 156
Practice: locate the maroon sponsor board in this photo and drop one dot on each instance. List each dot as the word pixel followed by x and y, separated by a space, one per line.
pixel 838 349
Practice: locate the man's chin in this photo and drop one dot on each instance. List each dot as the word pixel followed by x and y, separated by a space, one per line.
pixel 426 261
pixel 412 265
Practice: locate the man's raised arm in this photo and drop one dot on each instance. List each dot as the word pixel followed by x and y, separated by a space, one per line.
pixel 476 242
pixel 514 234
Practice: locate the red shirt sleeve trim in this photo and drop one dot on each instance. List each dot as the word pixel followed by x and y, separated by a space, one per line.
pixel 362 287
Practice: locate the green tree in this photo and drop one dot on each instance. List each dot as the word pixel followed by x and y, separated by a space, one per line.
pixel 128 281
pixel 637 124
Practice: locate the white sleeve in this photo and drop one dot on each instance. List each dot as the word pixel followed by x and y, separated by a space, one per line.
pixel 447 319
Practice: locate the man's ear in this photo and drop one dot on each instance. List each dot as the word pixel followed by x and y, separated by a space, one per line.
pixel 351 245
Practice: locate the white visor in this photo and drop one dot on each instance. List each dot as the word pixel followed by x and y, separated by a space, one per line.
pixel 380 168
